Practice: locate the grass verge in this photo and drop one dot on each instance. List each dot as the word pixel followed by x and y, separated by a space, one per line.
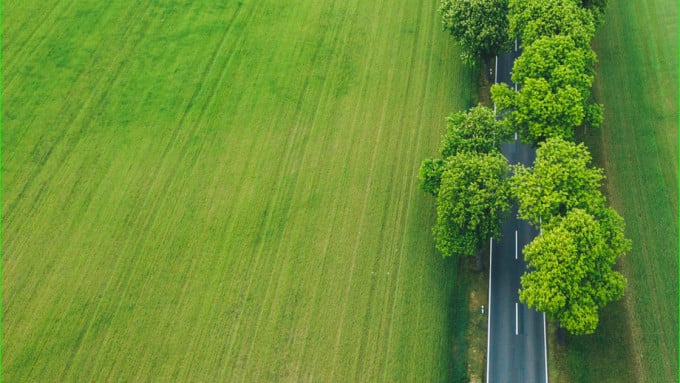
pixel 637 81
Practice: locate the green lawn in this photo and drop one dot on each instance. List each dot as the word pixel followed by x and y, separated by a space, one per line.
pixel 638 147
pixel 226 191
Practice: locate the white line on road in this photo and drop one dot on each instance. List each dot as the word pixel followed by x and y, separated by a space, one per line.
pixel 516 318
pixel 495 72
pixel 515 244
pixel 545 350
pixel 515 88
pixel 515 136
pixel 515 44
pixel 488 323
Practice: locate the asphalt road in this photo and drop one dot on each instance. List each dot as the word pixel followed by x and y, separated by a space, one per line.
pixel 516 349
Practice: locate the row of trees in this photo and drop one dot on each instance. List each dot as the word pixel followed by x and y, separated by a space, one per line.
pixel 470 181
pixel 570 273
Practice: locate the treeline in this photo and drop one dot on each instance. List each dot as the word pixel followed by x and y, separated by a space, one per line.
pixel 570 273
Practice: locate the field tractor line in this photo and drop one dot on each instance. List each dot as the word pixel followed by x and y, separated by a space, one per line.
pixel 238 201
pixel 31 51
pixel 347 154
pixel 125 283
pixel 79 277
pixel 360 225
pixel 54 309
pixel 307 320
pixel 652 281
pixel 419 121
pixel 299 124
pixel 381 256
pixel 71 125
pixel 211 88
pixel 243 192
pixel 394 254
pixel 234 331
pixel 346 161
pixel 183 136
pixel 198 90
pixel 163 163
pixel 73 92
pixel 274 203
pixel 638 335
pixel 203 316
pixel 52 173
pixel 363 93
pixel 631 309
pixel 114 283
pixel 87 321
pixel 107 287
pixel 48 21
pixel 322 99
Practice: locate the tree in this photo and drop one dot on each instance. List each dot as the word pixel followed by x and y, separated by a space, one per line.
pixel 479 26
pixel 476 130
pixel 560 180
pixel 473 131
pixel 431 175
pixel 473 195
pixel 539 111
pixel 533 19
pixel 571 274
pixel 562 63
pixel 597 8
pixel 555 76
pixel 558 60
pixel 542 111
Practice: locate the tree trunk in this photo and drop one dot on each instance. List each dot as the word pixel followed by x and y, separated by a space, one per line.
pixel 561 336
pixel 480 253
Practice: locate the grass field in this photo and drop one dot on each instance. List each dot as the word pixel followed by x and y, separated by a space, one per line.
pixel 225 191
pixel 638 146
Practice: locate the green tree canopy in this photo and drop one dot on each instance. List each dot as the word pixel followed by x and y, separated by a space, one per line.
pixel 431 175
pixel 571 274
pixel 473 131
pixel 476 130
pixel 533 19
pixel 539 111
pixel 473 195
pixel 479 26
pixel 558 60
pixel 555 76
pixel 560 180
pixel 597 8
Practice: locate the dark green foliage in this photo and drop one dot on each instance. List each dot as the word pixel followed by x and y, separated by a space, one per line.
pixel 555 76
pixel 560 180
pixel 470 181
pixel 473 131
pixel 479 26
pixel 473 195
pixel 571 272
pixel 557 59
pixel 597 8
pixel 431 175
pixel 534 19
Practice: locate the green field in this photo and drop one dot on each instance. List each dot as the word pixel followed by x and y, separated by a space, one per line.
pixel 224 191
pixel 638 146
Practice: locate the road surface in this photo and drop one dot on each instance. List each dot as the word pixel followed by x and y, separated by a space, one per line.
pixel 516 348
